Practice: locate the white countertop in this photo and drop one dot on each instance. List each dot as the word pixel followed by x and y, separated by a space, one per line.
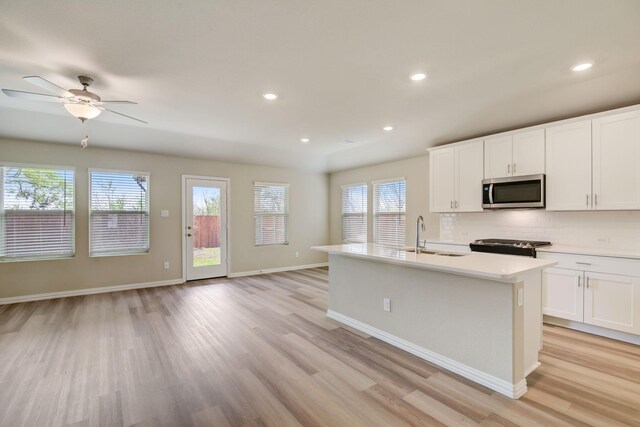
pixel 580 250
pixel 505 268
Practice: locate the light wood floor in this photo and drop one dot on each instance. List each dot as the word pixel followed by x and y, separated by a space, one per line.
pixel 260 351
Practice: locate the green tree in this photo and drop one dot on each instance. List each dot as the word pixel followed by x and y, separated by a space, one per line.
pixel 42 189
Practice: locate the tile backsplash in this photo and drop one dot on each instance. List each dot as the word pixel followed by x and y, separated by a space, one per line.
pixel 613 230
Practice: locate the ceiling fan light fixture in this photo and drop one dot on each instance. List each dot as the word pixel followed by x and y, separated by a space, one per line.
pixel 82 111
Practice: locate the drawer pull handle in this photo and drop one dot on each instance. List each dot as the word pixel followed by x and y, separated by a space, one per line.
pixel 583 263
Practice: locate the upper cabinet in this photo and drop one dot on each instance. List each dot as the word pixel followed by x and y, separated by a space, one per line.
pixel 616 161
pixel 593 164
pixel 456 178
pixel 515 154
pixel 568 154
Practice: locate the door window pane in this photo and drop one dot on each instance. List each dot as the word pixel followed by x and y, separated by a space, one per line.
pixel 206 226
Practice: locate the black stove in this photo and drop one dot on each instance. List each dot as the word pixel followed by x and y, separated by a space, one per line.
pixel 508 247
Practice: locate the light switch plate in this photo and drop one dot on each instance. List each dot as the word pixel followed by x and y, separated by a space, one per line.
pixel 386 304
pixel 164 213
pixel 520 297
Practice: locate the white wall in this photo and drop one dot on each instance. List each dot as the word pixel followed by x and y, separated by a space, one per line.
pixel 414 170
pixel 614 230
pixel 308 224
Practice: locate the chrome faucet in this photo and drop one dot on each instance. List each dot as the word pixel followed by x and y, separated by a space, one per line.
pixel 418 221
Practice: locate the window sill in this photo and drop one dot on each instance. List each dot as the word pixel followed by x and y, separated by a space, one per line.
pixel 52 258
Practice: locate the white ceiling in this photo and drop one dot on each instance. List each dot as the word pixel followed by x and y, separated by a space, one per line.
pixel 341 67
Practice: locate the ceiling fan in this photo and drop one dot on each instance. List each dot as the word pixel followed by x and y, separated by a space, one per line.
pixel 80 103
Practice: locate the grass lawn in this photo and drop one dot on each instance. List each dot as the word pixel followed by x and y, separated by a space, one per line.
pixel 203 257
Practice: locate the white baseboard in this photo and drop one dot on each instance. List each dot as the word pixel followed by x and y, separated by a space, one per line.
pixel 277 270
pixel 88 291
pixel 592 329
pixel 506 388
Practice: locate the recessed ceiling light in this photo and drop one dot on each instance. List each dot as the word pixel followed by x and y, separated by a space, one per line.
pixel 270 96
pixel 418 76
pixel 388 128
pixel 582 66
pixel 304 140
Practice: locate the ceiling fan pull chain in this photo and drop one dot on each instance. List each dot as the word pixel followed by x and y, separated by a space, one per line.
pixel 85 140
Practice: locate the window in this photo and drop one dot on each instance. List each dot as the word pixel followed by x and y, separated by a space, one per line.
pixel 119 213
pixel 389 209
pixel 271 213
pixel 36 212
pixel 354 213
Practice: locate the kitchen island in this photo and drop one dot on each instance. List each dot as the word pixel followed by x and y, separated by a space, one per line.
pixel 478 315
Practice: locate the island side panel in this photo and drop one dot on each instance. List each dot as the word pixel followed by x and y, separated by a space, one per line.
pixel 466 319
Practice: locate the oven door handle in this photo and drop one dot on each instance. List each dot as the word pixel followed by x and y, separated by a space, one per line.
pixel 491 193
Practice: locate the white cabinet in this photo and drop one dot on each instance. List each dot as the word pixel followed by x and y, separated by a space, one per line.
pixel 616 161
pixel 612 301
pixel 455 183
pixel 442 179
pixel 568 166
pixel 498 156
pixel 593 164
pixel 562 293
pixel 601 299
pixel 515 154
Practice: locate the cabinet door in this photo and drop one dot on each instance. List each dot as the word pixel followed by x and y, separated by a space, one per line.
pixel 562 293
pixel 612 301
pixel 528 153
pixel 497 157
pixel 568 164
pixel 616 161
pixel 442 180
pixel 469 177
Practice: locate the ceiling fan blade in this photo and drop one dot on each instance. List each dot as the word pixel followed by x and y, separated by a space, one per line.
pixel 124 115
pixel 32 96
pixel 47 85
pixel 115 102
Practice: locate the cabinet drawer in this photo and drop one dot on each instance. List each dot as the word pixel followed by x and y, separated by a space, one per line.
pixel 597 264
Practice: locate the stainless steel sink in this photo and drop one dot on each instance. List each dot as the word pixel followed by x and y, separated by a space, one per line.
pixel 423 251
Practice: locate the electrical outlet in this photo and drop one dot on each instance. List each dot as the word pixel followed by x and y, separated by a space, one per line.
pixel 297 254
pixel 166 265
pixel 386 304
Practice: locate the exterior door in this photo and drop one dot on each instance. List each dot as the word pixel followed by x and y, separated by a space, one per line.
pixel 206 228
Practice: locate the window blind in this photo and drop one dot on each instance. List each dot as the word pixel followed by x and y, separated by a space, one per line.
pixel 119 213
pixel 36 212
pixel 354 213
pixel 271 213
pixel 389 210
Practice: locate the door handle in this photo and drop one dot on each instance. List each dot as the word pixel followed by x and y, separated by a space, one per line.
pixel 587 200
pixel 587 282
pixel 509 168
pixel 188 234
pixel 579 281
pixel 455 204
pixel 451 204
pixel 514 168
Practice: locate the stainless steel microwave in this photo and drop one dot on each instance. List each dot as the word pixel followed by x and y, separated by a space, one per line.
pixel 513 192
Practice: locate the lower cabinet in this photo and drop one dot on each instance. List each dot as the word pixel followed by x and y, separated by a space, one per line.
pixel 607 300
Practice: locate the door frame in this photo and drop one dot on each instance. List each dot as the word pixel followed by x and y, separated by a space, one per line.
pixel 183 208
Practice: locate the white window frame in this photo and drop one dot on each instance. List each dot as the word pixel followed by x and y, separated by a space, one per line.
pixel 375 203
pixel 127 172
pixel 286 213
pixel 73 227
pixel 366 210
